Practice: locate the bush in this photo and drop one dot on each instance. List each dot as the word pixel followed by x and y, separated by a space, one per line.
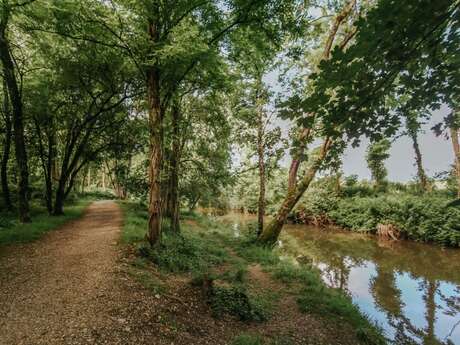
pixel 236 301
pixel 420 218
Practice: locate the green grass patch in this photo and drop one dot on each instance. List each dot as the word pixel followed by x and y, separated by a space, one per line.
pixel 11 231
pixel 185 253
pixel 247 339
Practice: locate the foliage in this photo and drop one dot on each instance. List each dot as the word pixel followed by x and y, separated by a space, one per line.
pixel 235 300
pixel 419 218
pixel 376 155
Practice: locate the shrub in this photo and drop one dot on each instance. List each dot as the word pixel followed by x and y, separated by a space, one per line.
pixel 420 218
pixel 236 301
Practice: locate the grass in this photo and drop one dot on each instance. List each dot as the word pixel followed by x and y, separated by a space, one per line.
pixel 254 339
pixel 206 246
pixel 247 339
pixel 12 232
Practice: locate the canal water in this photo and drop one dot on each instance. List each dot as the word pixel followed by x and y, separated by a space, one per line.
pixel 412 290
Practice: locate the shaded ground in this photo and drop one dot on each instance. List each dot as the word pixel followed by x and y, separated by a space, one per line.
pixel 75 286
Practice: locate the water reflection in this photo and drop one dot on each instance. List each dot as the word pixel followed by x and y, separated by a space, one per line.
pixel 411 289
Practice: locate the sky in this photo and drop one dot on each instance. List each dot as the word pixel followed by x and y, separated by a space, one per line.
pixel 437 152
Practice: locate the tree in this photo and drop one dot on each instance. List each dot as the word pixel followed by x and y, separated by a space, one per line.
pixel 413 128
pixel 377 153
pixel 11 75
pixel 296 188
pixel 6 149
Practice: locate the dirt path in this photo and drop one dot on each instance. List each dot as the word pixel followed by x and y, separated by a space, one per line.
pixel 62 289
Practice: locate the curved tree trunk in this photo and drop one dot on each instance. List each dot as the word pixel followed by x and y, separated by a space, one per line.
pixel 270 235
pixel 18 126
pixel 6 150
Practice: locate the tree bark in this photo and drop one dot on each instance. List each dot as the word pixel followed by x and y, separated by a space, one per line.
pixel 270 235
pixel 423 180
pixel 6 149
pixel 17 112
pixel 261 153
pixel 59 202
pixel 156 142
pixel 174 171
pixel 456 145
pixel 297 159
pixel 47 159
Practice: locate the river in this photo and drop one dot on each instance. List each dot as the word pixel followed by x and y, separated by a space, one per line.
pixel 412 290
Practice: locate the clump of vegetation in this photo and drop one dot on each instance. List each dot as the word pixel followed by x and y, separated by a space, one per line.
pixel 235 300
pixel 247 339
pixel 418 218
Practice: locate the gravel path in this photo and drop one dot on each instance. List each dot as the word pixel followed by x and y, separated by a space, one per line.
pixel 62 289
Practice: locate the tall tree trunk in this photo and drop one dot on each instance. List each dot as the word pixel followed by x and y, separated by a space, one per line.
pixel 174 170
pixel 156 142
pixel 6 149
pixel 270 234
pixel 58 208
pixel 49 174
pixel 18 126
pixel 423 180
pixel 103 178
pixel 455 143
pixel 260 153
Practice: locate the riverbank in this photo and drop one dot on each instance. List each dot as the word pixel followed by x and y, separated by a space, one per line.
pixel 423 218
pixel 216 287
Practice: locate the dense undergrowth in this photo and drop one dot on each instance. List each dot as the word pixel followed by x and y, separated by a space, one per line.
pixel 426 218
pixel 208 252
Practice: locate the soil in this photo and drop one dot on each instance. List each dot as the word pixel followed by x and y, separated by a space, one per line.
pixel 76 286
